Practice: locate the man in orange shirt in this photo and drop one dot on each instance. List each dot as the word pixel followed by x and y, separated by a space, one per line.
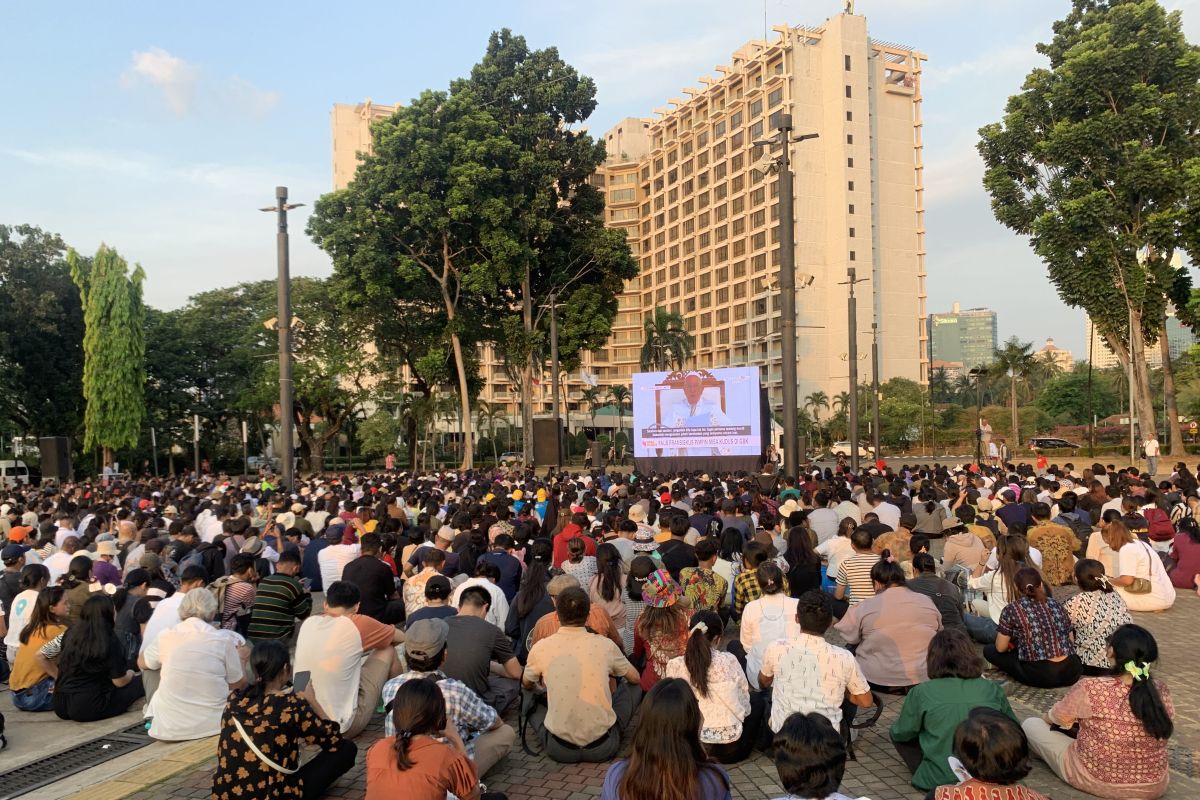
pixel 598 620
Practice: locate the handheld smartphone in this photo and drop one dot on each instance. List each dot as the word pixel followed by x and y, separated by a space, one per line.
pixel 300 681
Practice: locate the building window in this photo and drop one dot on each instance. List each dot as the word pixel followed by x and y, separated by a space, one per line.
pixel 849 162
pixel 851 255
pixel 756 108
pixel 849 138
pixel 852 233
pixel 847 63
pixel 850 186
pixel 774 98
pixel 849 116
pixel 851 208
pixel 848 94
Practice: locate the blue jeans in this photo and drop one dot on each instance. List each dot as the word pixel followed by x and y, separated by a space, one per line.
pixel 982 629
pixel 36 698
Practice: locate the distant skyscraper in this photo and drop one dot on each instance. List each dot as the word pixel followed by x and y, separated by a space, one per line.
pixel 967 337
pixel 1180 339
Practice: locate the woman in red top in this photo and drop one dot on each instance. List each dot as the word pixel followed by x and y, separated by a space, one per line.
pixel 661 632
pixel 426 758
pixel 1186 552
pixel 572 530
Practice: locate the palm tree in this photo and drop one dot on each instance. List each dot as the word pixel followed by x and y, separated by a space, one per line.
pixel 487 414
pixel 939 385
pixel 620 397
pixel 667 342
pixel 816 401
pixel 592 395
pixel 841 403
pixel 1017 360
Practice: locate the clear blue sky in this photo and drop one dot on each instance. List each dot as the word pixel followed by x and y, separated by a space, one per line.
pixel 160 127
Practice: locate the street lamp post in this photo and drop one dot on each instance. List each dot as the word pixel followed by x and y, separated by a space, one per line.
pixel 558 454
pixel 787 286
pixel 852 358
pixel 284 326
pixel 875 383
pixel 979 373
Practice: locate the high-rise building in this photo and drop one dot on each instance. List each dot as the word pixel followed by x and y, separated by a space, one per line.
pixel 1062 359
pixel 1180 339
pixel 703 217
pixel 351 124
pixel 968 337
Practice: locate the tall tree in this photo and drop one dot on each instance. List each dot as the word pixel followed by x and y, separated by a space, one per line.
pixel 621 398
pixel 1097 162
pixel 666 342
pixel 1016 361
pixel 114 345
pixel 556 242
pixel 940 388
pixel 592 395
pixel 41 335
pixel 817 401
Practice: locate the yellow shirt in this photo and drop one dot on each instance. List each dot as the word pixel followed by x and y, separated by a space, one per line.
pixel 26 672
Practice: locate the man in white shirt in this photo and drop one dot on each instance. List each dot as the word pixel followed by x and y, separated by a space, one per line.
pixel 165 617
pixel 808 674
pixel 486 575
pixel 334 558
pixel 888 514
pixel 65 528
pixel 60 561
pixel 823 520
pixel 1150 448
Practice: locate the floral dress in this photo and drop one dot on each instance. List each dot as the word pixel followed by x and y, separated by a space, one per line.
pixel 1094 616
pixel 276 724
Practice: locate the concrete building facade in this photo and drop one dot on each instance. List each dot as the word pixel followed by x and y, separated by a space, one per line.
pixel 351 135
pixel 1180 339
pixel 967 337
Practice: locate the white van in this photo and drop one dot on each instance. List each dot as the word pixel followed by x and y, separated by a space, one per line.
pixel 12 473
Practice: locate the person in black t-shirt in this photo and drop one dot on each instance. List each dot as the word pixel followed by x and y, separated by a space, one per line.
pixel 676 553
pixel 375 582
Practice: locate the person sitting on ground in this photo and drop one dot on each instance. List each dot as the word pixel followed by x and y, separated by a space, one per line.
pixel 994 753
pixel 94 681
pixel 532 601
pixel 667 760
pixel 745 586
pixel 425 759
pixel 998 584
pixel 731 716
pixel 486 738
pixel 432 561
pixel 661 633
pixel 262 728
pixel 1125 720
pixel 199 666
pixel 331 648
pixel 837 549
pixel 480 655
pixel 1141 580
pixel 487 576
pixel 607 585
pixel 77 581
pixel 803 562
pixel 376 582
pixel 808 674
pixel 853 577
pixel 1186 554
pixel 598 619
pixel 1057 544
pixel 19 604
pixel 280 600
pixel 944 594
pixel 702 585
pixel 583 718
pixel 235 593
pixel 676 552
pixel 32 678
pixel 810 757
pixel 924 732
pixel 766 620
pixel 892 630
pixel 578 563
pixel 1033 640
pixel 963 549
pixel 1096 612
pixel 437 601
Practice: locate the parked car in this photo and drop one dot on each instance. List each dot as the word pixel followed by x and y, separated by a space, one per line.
pixel 511 457
pixel 1051 443
pixel 842 448
pixel 17 472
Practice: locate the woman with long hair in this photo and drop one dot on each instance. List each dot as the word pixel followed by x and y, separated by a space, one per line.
pixel 661 631
pixel 639 570
pixel 1095 613
pixel 729 558
pixel 531 601
pixel 32 679
pixel 426 758
pixel 130 616
pixel 1125 720
pixel 1141 579
pixel 1012 553
pixel 1033 638
pixel 929 512
pixel 731 716
pixel 262 728
pixel 606 586
pixel 94 679
pixel 804 564
pixel 770 617
pixel 1186 554
pixel 667 760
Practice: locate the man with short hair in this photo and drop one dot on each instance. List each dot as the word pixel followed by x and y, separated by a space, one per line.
pixel 279 601
pixel 675 552
pixel 810 675
pixel 582 719
pixel 330 647
pixel 334 558
pixel 508 564
pixel 375 581
pixel 598 619
pixel 487 575
pixel 437 602
pixel 59 562
pixel 481 656
pixel 485 736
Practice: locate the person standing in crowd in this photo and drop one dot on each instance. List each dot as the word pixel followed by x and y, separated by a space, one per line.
pixel 583 718
pixel 262 728
pixel 1125 720
pixel 667 760
pixel 1096 612
pixel 924 732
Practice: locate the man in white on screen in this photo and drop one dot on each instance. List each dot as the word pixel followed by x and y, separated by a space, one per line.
pixel 694 411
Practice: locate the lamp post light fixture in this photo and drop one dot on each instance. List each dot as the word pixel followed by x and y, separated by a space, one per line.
pixel 781 164
pixel 978 373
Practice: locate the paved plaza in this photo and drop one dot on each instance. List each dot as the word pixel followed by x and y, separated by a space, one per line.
pixel 184 771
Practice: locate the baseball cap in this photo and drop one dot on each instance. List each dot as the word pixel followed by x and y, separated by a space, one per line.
pixel 446 533
pixel 11 553
pixel 19 533
pixel 425 638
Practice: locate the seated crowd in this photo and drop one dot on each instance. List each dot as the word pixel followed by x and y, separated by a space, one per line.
pixel 700 607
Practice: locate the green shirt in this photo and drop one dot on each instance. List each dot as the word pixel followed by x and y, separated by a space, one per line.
pixel 931 713
pixel 279 601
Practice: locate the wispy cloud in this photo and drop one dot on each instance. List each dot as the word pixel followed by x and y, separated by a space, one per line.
pixel 170 74
pixel 1016 58
pixel 957 171
pixel 248 98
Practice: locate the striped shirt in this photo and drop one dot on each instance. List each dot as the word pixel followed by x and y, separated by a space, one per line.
pixel 280 600
pixel 855 574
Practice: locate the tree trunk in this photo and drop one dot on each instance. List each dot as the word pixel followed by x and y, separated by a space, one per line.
pixel 1175 446
pixel 410 439
pixel 1141 401
pixel 527 371
pixel 1016 421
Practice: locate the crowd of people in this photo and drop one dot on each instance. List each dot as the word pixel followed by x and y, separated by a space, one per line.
pixel 699 605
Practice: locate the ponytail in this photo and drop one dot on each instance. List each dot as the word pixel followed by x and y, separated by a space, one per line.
pixel 705 629
pixel 268 658
pixel 1134 650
